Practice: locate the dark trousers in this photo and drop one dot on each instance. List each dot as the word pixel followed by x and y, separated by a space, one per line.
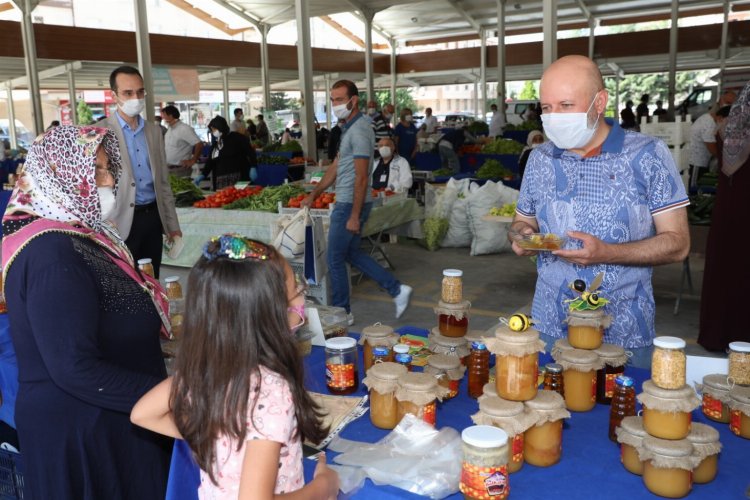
pixel 145 239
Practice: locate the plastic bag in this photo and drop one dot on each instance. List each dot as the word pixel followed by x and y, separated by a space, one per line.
pixel 415 457
pixel 489 237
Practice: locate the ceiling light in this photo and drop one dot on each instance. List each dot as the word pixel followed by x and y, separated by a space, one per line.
pixel 414 19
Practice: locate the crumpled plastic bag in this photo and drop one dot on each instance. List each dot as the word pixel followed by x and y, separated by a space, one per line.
pixel 415 457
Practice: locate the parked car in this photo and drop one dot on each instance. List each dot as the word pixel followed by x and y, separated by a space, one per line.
pixel 451 119
pixel 23 135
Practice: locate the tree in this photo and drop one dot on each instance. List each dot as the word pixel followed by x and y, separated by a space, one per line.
pixel 404 99
pixel 85 115
pixel 528 93
pixel 279 101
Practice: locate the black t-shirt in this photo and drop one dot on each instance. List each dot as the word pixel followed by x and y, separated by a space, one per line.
pixel 380 175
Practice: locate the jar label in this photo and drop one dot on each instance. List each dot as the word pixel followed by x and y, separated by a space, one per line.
pixel 453 387
pixel 593 389
pixel 734 421
pixel 428 413
pixel 517 448
pixel 340 376
pixel 609 384
pixel 484 482
pixel 712 407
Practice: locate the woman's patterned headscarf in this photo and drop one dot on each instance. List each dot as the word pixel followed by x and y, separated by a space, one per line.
pixel 736 149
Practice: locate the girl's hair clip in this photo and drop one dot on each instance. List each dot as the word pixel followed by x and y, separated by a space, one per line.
pixel 235 247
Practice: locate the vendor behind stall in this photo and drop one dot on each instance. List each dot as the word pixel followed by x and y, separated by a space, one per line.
pixel 231 157
pixel 391 170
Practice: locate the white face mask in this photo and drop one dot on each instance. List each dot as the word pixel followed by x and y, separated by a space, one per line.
pixel 570 130
pixel 341 111
pixel 370 111
pixel 408 118
pixel 216 134
pixel 385 151
pixel 133 107
pixel 107 201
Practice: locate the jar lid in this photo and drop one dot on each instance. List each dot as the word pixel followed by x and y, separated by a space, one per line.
pixel 684 392
pixel 740 346
pixel 475 335
pixel 579 356
pixel 144 261
pixel 484 436
pixel 740 394
pixel 403 358
pixel 377 330
pixel 341 343
pixel 610 351
pixel 443 362
pixel 717 381
pixel 380 350
pixel 478 346
pixel 387 370
pixel 624 381
pixel 562 345
pixel 171 279
pixel 546 400
pixel 586 313
pixel 437 338
pixel 453 273
pixel 668 447
pixel 415 381
pixel 505 334
pixel 401 349
pixel 463 306
pixel 489 389
pixel 634 425
pixel 497 407
pixel 702 433
pixel 669 342
pixel 553 368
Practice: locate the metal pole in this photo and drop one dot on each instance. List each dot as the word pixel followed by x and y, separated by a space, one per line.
pixel 617 97
pixel 32 73
pixel 304 66
pixel 368 16
pixel 501 56
pixel 72 97
pixel 11 118
pixel 475 98
pixel 672 61
pixel 723 48
pixel 264 76
pixel 483 73
pixel 143 46
pixel 225 89
pixel 592 36
pixel 549 27
pixel 328 101
pixel 394 77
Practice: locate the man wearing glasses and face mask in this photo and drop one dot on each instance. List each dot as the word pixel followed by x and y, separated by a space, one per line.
pixel 145 206
pixel 617 197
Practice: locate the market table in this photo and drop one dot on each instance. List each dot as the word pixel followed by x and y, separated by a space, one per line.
pixel 200 224
pixel 590 467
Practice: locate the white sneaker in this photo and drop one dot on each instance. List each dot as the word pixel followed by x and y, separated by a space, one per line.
pixel 402 300
pixel 350 318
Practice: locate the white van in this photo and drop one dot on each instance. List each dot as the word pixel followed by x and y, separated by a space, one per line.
pixel 700 100
pixel 516 109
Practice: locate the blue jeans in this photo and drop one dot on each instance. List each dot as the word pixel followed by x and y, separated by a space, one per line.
pixel 448 157
pixel 343 247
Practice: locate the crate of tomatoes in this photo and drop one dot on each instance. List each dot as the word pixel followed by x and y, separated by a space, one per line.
pixel 226 196
pixel 322 202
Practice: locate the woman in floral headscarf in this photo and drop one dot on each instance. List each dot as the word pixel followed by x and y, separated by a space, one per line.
pixel 85 326
pixel 727 272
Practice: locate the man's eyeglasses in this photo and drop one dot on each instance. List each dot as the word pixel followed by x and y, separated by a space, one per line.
pixel 129 94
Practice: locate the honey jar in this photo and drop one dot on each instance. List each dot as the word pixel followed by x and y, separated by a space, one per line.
pixel 542 442
pixel 559 347
pixel 739 411
pixel 341 365
pixel 452 286
pixel 715 391
pixel 706 448
pixel 666 412
pixel 510 417
pixel 579 378
pixel 668 466
pixel 377 335
pixel 416 394
pixel 448 371
pixel 668 362
pixel 453 319
pixel 402 356
pixel 172 287
pixel 146 266
pixel 630 434
pixel 516 362
pixel 452 346
pixel 614 358
pixel 586 328
pixel 739 362
pixel 382 380
pixel 484 471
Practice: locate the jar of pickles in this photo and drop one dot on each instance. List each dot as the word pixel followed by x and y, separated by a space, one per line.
pixel 416 394
pixel 579 378
pixel 452 286
pixel 484 471
pixel 559 347
pixel 614 358
pixel 377 335
pixel 453 319
pixel 668 466
pixel 739 411
pixel 448 371
pixel 666 412
pixel 542 441
pixel 706 448
pixel 382 380
pixel 715 391
pixel 516 362
pixel 668 362
pixel 630 434
pixel 146 266
pixel 510 417
pixel 586 328
pixel 739 362
pixel 452 346
pixel 341 365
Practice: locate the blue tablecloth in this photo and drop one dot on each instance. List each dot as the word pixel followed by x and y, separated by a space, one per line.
pixel 590 467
